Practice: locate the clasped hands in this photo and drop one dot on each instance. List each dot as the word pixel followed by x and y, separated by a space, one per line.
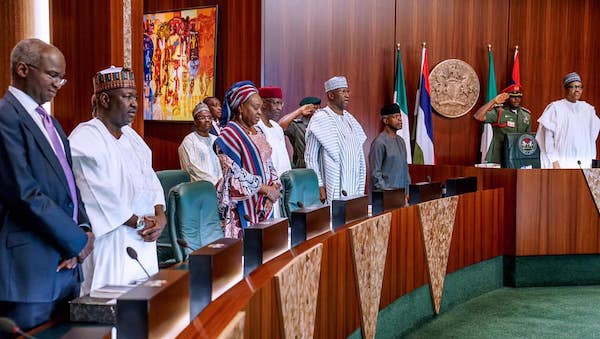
pixel 272 191
pixel 154 227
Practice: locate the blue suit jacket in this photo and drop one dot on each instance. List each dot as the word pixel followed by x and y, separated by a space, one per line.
pixel 36 226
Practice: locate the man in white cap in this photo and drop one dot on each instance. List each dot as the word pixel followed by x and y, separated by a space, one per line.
pixel 196 154
pixel 334 145
pixel 568 129
pixel 121 192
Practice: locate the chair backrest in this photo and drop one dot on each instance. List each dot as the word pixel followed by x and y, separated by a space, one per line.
pixel 195 216
pixel 521 149
pixel 168 179
pixel 299 184
pixel 171 178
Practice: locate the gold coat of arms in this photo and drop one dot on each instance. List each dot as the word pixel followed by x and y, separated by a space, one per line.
pixel 454 88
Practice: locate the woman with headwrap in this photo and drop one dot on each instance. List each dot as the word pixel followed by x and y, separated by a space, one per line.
pixel 250 183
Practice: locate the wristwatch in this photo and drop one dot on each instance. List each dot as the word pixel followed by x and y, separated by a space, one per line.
pixel 140 224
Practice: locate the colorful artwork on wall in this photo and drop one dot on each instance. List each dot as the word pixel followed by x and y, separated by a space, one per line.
pixel 180 50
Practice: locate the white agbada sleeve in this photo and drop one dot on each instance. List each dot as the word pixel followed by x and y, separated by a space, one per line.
pixel 95 172
pixel 545 135
pixel 141 147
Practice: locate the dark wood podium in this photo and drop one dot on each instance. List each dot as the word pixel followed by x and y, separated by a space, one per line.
pixel 158 308
pixel 213 269
pixel 384 200
pixel 424 191
pixel 308 222
pixel 347 209
pixel 263 241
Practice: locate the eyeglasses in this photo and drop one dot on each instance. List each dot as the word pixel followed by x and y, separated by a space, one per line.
pixel 53 75
pixel 575 86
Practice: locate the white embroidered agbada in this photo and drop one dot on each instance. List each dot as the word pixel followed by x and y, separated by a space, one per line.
pixel 279 155
pixel 198 159
pixel 567 133
pixel 116 180
pixel 334 150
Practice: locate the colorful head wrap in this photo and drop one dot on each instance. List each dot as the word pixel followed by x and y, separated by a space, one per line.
pixel 571 77
pixel 236 95
pixel 113 77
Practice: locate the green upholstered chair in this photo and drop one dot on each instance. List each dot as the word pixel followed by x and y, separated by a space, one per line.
pixel 299 184
pixel 521 150
pixel 164 247
pixel 194 214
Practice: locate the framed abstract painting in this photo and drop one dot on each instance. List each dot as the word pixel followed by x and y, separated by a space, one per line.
pixel 180 49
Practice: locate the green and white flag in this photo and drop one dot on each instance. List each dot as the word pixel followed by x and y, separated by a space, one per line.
pixel 400 99
pixel 486 134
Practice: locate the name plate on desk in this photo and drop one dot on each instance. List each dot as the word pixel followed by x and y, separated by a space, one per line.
pixel 456 186
pixel 264 241
pixel 387 199
pixel 347 209
pixel 157 308
pixel 308 222
pixel 213 269
pixel 424 191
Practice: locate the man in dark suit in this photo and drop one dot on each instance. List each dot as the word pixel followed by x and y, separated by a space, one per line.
pixel 44 230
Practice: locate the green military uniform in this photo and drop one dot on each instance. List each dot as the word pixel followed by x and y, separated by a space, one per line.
pixel 505 121
pixel 296 133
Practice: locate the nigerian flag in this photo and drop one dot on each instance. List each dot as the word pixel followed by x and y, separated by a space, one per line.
pixel 400 99
pixel 492 91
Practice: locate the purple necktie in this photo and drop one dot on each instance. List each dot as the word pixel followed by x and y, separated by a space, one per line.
pixel 60 154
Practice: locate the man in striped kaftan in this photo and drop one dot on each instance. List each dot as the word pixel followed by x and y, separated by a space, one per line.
pixel 334 145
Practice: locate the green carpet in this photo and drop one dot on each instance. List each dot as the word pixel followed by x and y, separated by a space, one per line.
pixel 533 312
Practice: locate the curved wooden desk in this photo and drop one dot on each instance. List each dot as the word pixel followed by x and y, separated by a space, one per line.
pixel 476 237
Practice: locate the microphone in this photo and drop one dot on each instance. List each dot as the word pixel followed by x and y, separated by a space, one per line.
pixel 133 255
pixel 300 204
pixel 344 193
pixel 262 216
pixel 247 218
pixel 579 164
pixel 7 325
pixel 185 244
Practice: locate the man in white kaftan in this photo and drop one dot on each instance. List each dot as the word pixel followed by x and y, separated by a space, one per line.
pixel 568 129
pixel 271 109
pixel 334 145
pixel 196 154
pixel 125 201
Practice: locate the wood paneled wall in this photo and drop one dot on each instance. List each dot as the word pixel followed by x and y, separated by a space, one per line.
pixel 555 214
pixel 238 58
pixel 487 178
pixel 90 35
pixel 556 37
pixel 305 42
pixel 308 42
pixel 20 27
